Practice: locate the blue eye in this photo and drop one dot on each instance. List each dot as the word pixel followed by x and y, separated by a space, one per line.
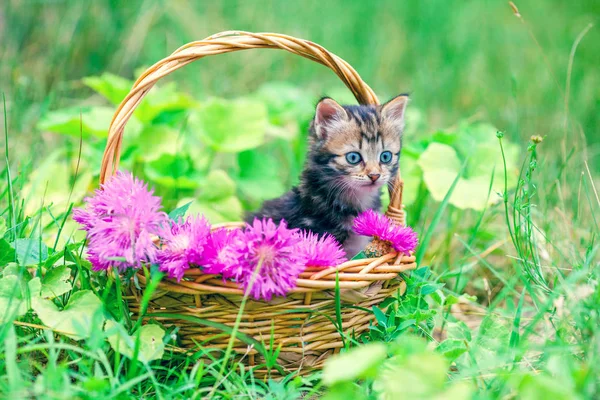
pixel 353 157
pixel 386 157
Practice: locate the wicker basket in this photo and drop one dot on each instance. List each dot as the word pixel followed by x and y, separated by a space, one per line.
pixel 301 323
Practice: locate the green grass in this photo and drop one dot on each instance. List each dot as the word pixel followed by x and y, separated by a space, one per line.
pixel 509 301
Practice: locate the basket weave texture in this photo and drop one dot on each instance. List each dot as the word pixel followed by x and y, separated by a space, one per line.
pixel 301 323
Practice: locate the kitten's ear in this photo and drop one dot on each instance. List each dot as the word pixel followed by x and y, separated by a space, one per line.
pixel 394 109
pixel 328 111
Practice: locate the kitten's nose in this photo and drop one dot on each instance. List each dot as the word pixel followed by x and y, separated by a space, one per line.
pixel 374 177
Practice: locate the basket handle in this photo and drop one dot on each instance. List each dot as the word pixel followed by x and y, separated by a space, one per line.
pixel 226 42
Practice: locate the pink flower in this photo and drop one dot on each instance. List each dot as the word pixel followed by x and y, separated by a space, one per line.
pixel 183 245
pixel 121 219
pixel 267 259
pixel 371 223
pixel 322 251
pixel 218 252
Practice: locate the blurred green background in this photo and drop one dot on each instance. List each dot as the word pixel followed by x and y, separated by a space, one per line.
pixel 456 58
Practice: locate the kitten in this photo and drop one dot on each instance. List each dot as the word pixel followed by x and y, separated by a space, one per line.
pixel 353 153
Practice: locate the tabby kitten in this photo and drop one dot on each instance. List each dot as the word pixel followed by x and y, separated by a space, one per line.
pixel 353 153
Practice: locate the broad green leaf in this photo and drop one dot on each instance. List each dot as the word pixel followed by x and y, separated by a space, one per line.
pixel 113 87
pixel 215 186
pixel 163 99
pixel 30 251
pixel 16 295
pixel 13 268
pixel 480 144
pixel 7 253
pixel 261 176
pixel 492 339
pixel 344 391
pixel 151 341
pixel 456 391
pixel 440 166
pixel 228 209
pixel 452 349
pixel 84 121
pixel 216 199
pixel 286 104
pixel 459 330
pixel 56 282
pixel 544 387
pixel 172 171
pixel 494 332
pixel 418 376
pixel 79 317
pixel 440 157
pixel 360 362
pixel 230 126
pixel 51 182
pixel 155 141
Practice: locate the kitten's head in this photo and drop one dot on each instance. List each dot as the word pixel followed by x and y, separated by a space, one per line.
pixel 359 146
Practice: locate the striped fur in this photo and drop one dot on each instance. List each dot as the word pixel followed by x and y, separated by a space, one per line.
pixel 332 192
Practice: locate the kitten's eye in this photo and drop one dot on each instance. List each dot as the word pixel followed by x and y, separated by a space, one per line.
pixel 386 157
pixel 353 157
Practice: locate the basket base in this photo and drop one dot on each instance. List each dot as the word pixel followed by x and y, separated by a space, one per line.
pixel 305 333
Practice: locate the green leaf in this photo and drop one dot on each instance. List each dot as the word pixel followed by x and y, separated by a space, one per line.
pixel 379 316
pixel 30 251
pixel 260 177
pixel 111 86
pixel 225 210
pixel 543 387
pixel 56 282
pixel 345 391
pixel 151 345
pixel 77 320
pixel 459 330
pixel 452 349
pixel 7 253
pixel 457 391
pixel 418 376
pixel 17 270
pixel 216 199
pixel 494 332
pixel 172 171
pixel 359 256
pixel 217 185
pixel 360 362
pixel 286 104
pixel 440 166
pixel 155 141
pixel 83 121
pixel 51 181
pixel 161 100
pixel 179 212
pixel 478 143
pixel 16 295
pixel 230 126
